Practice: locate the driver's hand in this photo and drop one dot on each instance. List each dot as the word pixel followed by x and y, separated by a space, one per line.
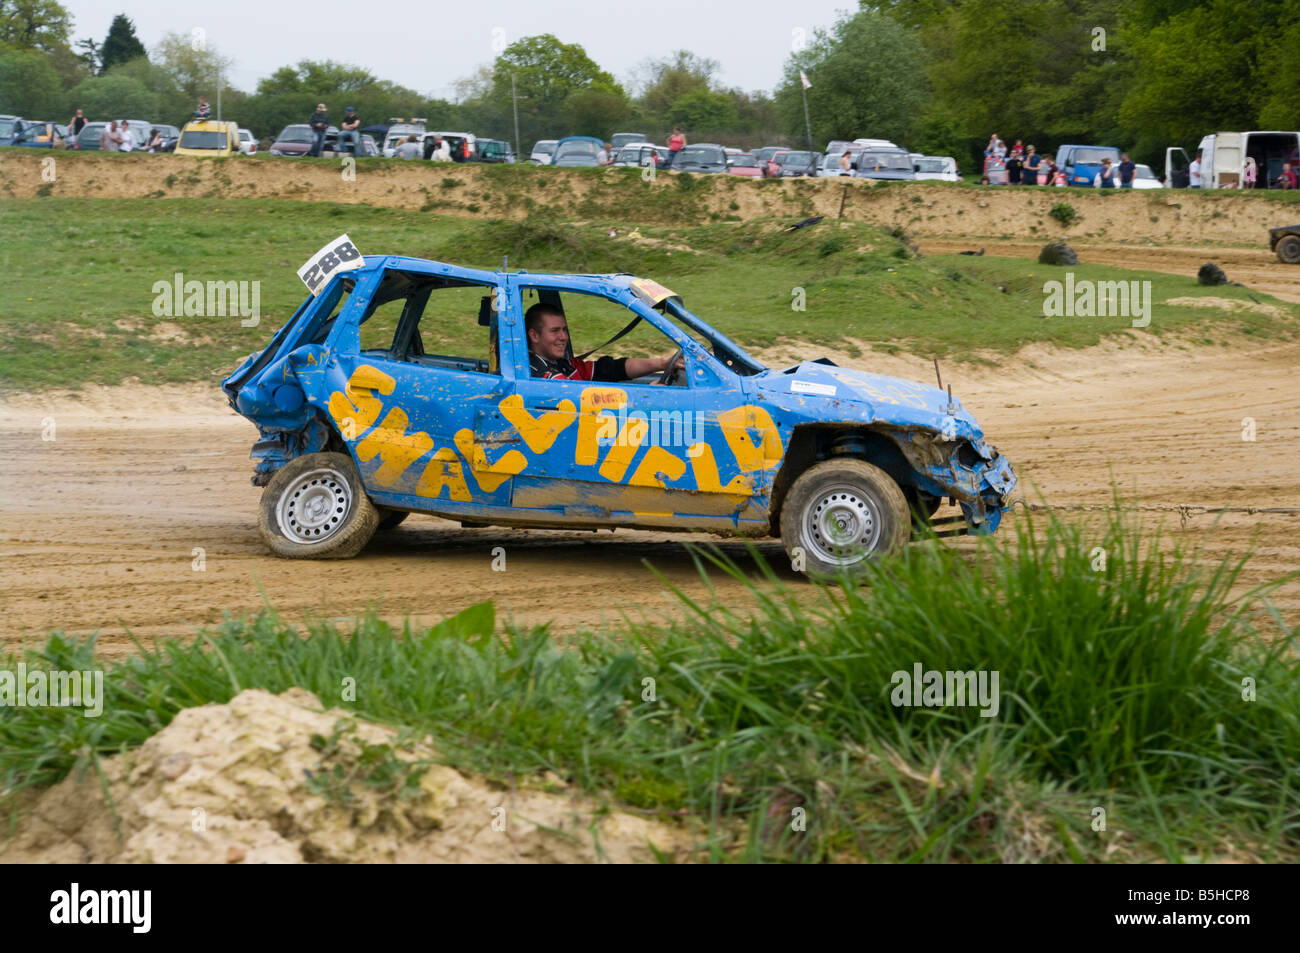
pixel 679 366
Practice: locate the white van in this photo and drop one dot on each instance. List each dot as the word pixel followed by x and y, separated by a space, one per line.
pixel 1223 159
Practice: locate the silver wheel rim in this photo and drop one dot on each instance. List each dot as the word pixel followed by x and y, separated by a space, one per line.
pixel 314 507
pixel 842 526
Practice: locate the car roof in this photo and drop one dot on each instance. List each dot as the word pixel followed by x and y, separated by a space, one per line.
pixel 580 139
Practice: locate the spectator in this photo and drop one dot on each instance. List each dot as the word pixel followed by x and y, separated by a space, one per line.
pixel 996 147
pixel 320 124
pixel 676 143
pixel 1014 160
pixel 1288 178
pixel 605 155
pixel 410 149
pixel 1105 177
pixel 846 162
pixel 155 141
pixel 1194 172
pixel 203 111
pixel 1058 177
pixel 75 125
pixel 1250 174
pixel 110 140
pixel 441 151
pixel 1127 169
pixel 128 137
pixel 1033 161
pixel 348 131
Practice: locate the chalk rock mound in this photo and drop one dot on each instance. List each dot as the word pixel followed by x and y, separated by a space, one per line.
pixel 273 779
pixel 1057 253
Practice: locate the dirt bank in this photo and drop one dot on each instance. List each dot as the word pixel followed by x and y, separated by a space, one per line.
pixel 517 191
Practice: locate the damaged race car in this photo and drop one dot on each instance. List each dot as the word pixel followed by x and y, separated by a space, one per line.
pixel 361 423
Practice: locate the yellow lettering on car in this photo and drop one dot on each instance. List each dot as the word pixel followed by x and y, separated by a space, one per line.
pixel 629 440
pixel 658 460
pixel 444 470
pixel 705 468
pixel 736 425
pixel 357 402
pixel 489 476
pixel 539 433
pixel 394 446
pixel 592 425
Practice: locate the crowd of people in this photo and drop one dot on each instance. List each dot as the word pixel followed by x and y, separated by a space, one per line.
pixel 1021 164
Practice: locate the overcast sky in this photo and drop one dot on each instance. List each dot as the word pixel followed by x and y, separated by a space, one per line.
pixel 427 46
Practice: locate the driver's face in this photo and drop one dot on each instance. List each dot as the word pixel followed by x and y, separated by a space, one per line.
pixel 551 339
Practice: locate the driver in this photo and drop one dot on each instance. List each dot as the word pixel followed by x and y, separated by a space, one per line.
pixel 548 353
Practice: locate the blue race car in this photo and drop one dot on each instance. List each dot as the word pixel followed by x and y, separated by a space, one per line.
pixel 361 424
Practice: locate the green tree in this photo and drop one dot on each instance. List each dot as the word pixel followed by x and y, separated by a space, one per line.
pixel 594 112
pixel 671 79
pixel 193 72
pixel 868 79
pixel 546 74
pixel 34 24
pixel 121 45
pixel 30 86
pixel 702 110
pixel 114 96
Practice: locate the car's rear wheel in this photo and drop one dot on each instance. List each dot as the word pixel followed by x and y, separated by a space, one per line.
pixel 841 513
pixel 316 508
pixel 1288 250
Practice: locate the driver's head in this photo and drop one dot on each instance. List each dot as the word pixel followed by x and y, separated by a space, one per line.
pixel 548 332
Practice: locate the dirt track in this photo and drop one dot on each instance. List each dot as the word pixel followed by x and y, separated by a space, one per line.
pixel 101 524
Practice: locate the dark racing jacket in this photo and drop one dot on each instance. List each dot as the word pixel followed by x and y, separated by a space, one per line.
pixel 603 369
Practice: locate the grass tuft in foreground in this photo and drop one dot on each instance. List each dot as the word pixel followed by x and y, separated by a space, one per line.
pixel 1122 688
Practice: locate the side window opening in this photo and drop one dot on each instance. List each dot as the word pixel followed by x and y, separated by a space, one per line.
pixel 430 321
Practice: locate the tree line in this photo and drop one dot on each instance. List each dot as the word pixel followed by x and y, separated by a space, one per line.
pixel 938 76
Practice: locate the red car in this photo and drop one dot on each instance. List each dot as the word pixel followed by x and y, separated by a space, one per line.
pixel 742 163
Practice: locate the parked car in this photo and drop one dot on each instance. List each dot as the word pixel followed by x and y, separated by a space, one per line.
pixel 1082 163
pixel 41 134
pixel 742 163
pixel 797 163
pixel 620 139
pixel 875 144
pixel 765 153
pixel 494 150
pixel 1144 178
pixel 398 133
pixel 1285 242
pixel 643 154
pixel 247 142
pixel 369 147
pixel 1224 155
pixel 359 425
pixel 297 139
pixel 879 162
pixel 208 138
pixel 171 135
pixel 995 169
pixel 576 151
pixel 705 157
pixel 830 165
pixel 937 168
pixel 88 141
pixel 11 129
pixel 543 151
pixel 771 166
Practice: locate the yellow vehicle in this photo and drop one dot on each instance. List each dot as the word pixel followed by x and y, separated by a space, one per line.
pixel 208 137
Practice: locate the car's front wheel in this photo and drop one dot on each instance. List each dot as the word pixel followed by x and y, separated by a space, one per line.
pixel 841 513
pixel 1288 250
pixel 316 508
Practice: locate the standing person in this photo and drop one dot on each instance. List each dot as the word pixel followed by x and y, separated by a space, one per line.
pixel 1194 172
pixel 1106 177
pixel 1250 173
pixel 75 125
pixel 605 155
pixel 155 141
pixel 676 143
pixel 441 151
pixel 348 130
pixel 203 111
pixel 128 137
pixel 110 140
pixel 846 163
pixel 1127 169
pixel 1032 163
pixel 1015 159
pixel 410 149
pixel 320 123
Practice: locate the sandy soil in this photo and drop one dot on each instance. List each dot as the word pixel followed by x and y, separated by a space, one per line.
pixel 103 525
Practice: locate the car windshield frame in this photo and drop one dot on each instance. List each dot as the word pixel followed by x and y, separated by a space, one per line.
pixel 204 137
pixel 896 161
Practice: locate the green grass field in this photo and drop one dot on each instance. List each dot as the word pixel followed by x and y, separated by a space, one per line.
pixel 1120 691
pixel 79 277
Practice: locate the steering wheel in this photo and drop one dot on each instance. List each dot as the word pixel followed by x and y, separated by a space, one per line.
pixel 670 372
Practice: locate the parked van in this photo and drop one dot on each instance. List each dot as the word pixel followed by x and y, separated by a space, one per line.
pixel 1223 159
pixel 1082 163
pixel 207 137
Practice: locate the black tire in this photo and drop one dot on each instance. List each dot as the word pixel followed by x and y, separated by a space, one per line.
pixel 390 519
pixel 858 498
pixel 1288 250
pixel 316 508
